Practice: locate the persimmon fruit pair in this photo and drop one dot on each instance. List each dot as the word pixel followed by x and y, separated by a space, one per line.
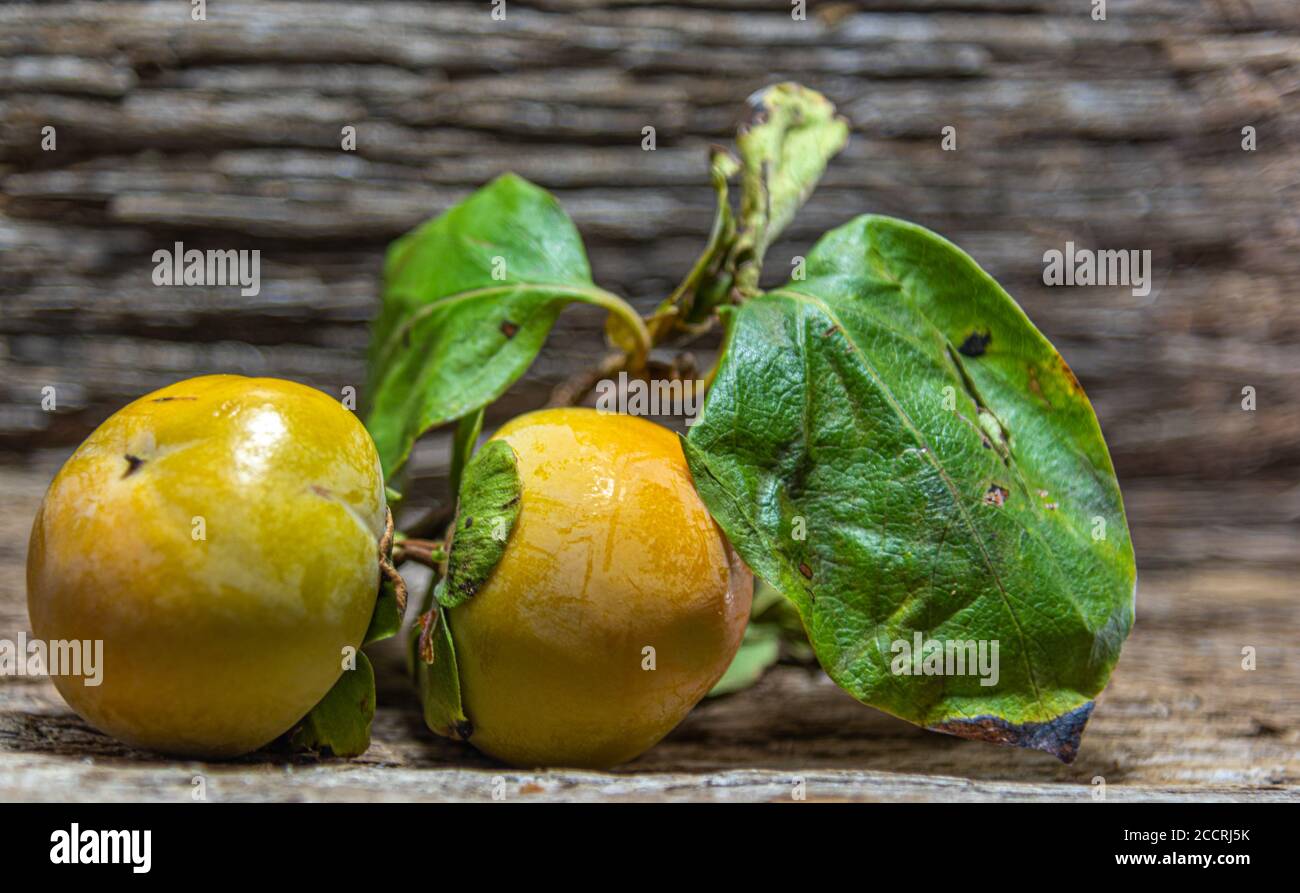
pixel 220 537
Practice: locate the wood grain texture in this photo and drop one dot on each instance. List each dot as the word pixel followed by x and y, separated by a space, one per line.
pixel 1117 134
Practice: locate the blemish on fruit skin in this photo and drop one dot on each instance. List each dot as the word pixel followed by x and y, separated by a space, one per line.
pixel 169 399
pixel 133 464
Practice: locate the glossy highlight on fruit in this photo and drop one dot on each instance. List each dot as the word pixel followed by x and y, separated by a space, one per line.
pixel 219 536
pixel 616 606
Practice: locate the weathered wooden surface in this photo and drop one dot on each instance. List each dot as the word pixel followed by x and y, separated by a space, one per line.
pixel 225 134
pixel 1117 134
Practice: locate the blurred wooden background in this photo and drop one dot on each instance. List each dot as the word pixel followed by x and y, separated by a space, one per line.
pixel 1125 133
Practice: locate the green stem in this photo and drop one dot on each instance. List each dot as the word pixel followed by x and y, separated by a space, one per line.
pixel 625 312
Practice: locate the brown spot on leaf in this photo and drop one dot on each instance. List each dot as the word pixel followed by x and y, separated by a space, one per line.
pixel 133 464
pixel 1069 375
pixel 469 522
pixel 805 570
pixel 975 344
pixel 508 328
pixel 1036 389
pixel 996 495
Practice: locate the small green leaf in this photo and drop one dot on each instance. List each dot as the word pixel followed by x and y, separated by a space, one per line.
pixel 487 509
pixel 384 621
pixel 340 723
pixel 791 134
pixel 759 649
pixel 893 445
pixel 485 516
pixel 469 298
pixel 437 677
pixel 774 632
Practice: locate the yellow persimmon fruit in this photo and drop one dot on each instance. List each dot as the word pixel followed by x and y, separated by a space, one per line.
pixel 219 537
pixel 616 606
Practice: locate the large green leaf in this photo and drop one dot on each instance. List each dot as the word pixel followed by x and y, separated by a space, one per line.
pixel 948 477
pixel 469 298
